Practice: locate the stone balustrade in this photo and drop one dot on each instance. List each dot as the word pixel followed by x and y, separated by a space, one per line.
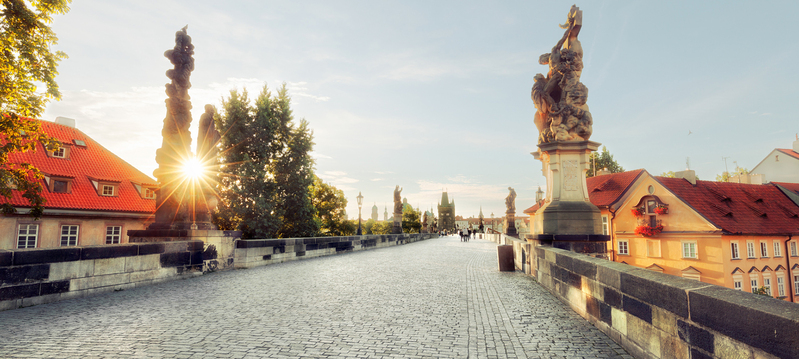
pixel 656 315
pixel 260 252
pixel 36 276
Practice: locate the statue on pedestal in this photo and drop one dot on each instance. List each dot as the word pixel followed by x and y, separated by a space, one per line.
pixel 172 203
pixel 510 201
pixel 397 228
pixel 566 218
pixel 559 97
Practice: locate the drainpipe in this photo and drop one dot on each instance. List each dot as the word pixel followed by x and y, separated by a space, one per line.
pixel 788 269
pixel 610 232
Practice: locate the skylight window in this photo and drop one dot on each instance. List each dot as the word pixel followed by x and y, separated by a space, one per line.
pixel 79 142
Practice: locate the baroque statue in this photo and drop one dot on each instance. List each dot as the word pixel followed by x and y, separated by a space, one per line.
pixel 172 211
pixel 510 201
pixel 397 200
pixel 559 97
pixel 207 139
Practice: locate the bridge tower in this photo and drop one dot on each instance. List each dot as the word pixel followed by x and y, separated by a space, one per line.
pixel 446 213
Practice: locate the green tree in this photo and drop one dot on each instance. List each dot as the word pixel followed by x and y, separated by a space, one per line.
pixel 267 171
pixel 294 177
pixel 382 227
pixel 725 176
pixel 602 160
pixel 25 62
pixel 410 220
pixel 367 226
pixel 669 174
pixel 247 188
pixel 330 205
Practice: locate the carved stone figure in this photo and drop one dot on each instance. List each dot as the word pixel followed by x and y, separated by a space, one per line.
pixel 172 203
pixel 510 201
pixel 559 97
pixel 397 200
pixel 206 200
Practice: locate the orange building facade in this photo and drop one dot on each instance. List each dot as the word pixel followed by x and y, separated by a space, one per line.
pixel 739 236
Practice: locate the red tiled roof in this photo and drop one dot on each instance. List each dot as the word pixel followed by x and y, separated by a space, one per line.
pixel 534 208
pixel 793 187
pixel 738 208
pixel 92 160
pixel 789 152
pixel 605 190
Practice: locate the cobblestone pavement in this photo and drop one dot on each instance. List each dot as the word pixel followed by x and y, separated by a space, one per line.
pixel 439 298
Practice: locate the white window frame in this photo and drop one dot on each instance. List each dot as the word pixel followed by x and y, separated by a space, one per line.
pixel 605 225
pixel 654 245
pixel 767 284
pixel 61 152
pixel 149 193
pixel 737 284
pixel 777 249
pixel 70 238
pixel 625 249
pixel 27 235
pixel 794 251
pixel 687 245
pixel 780 286
pixel 753 284
pixel 113 234
pixel 750 249
pixel 763 249
pixel 796 283
pixel 111 190
pixel 734 252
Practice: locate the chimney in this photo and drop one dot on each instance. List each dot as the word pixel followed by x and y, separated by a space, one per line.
pixel 65 121
pixel 796 143
pixel 603 171
pixel 690 175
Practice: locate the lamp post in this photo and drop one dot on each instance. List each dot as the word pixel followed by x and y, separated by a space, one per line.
pixel 360 202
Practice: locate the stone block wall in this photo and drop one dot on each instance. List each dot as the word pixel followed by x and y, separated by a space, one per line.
pixel 36 276
pixel 655 315
pixel 259 252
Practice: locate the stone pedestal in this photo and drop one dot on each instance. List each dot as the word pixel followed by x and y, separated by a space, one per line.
pixel 567 215
pixel 510 228
pixel 397 228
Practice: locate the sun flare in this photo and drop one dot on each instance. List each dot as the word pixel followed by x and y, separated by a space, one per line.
pixel 193 168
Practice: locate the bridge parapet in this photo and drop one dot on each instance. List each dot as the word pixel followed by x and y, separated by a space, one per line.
pixel 259 252
pixel 36 276
pixel 656 315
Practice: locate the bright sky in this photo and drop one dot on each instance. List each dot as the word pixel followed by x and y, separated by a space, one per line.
pixel 433 95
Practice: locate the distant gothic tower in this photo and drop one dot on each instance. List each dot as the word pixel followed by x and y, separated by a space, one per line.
pixel 374 212
pixel 446 213
pixel 385 213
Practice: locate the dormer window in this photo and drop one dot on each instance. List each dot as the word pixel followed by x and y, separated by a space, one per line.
pixel 105 187
pixel 60 153
pixel 108 190
pixel 146 190
pixel 58 184
pixel 149 193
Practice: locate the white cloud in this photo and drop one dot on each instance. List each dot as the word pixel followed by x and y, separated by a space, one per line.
pixel 377 179
pixel 335 173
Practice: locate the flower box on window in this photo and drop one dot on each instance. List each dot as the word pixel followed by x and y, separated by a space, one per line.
pixel 638 211
pixel 661 209
pixel 648 231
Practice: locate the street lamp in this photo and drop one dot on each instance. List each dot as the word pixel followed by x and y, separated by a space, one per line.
pixel 360 202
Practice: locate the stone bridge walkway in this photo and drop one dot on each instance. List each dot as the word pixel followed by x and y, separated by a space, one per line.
pixel 439 298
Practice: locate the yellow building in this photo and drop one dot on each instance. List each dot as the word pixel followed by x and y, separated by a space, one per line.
pixel 740 236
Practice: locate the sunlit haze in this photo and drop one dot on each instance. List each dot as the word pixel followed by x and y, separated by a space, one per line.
pixel 435 95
